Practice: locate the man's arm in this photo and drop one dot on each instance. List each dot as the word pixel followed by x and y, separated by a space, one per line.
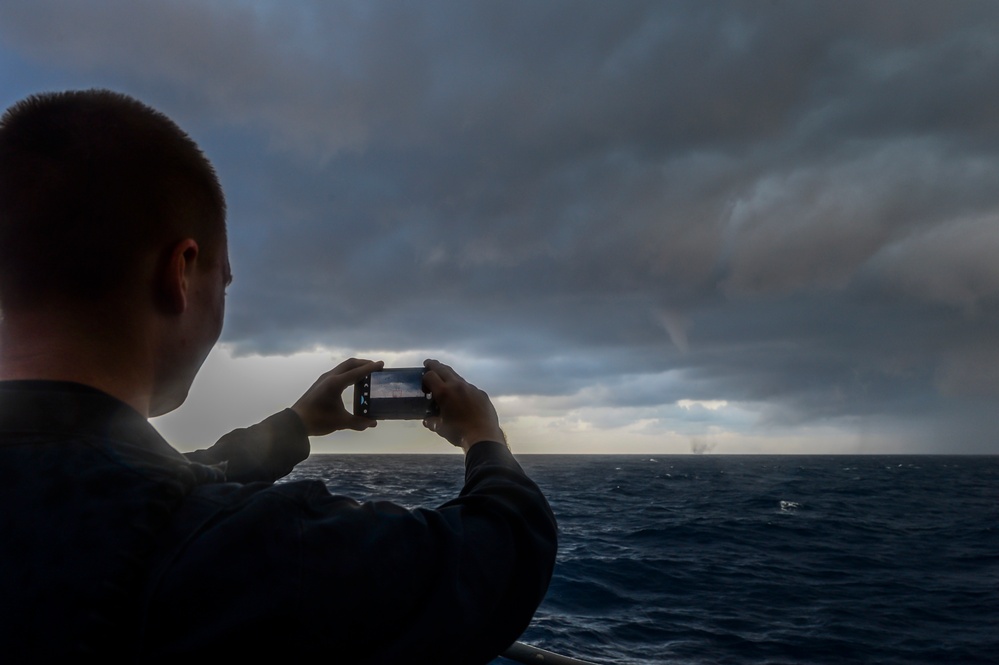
pixel 372 582
pixel 508 533
pixel 270 449
pixel 266 451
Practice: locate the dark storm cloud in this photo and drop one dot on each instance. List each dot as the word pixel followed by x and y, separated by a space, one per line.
pixel 786 204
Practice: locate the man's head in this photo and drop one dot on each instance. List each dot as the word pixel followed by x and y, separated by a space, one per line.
pixel 112 222
pixel 91 183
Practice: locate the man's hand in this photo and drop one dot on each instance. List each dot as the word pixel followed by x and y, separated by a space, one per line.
pixel 466 414
pixel 321 407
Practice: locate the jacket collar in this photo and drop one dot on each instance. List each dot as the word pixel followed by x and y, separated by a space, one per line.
pixel 64 408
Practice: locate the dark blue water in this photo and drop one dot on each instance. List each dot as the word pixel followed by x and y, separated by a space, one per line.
pixel 756 559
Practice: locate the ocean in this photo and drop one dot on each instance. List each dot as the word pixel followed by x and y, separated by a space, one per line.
pixel 705 559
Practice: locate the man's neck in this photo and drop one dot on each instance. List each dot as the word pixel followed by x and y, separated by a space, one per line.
pixel 63 348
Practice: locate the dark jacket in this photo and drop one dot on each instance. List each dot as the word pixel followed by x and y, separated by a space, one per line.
pixel 114 543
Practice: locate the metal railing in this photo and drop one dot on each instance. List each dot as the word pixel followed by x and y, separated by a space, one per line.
pixel 525 653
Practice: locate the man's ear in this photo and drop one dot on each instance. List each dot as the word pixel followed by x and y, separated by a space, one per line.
pixel 174 277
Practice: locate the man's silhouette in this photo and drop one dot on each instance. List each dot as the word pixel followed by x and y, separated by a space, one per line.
pixel 113 268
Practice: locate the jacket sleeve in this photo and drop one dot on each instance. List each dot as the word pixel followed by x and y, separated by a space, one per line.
pixel 497 491
pixel 369 583
pixel 453 585
pixel 266 451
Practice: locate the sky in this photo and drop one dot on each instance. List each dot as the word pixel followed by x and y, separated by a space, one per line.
pixel 641 227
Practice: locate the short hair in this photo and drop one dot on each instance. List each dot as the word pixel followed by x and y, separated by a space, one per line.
pixel 91 182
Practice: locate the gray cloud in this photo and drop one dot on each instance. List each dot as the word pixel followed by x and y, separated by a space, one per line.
pixel 788 205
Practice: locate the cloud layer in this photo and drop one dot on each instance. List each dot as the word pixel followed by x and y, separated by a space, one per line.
pixel 791 207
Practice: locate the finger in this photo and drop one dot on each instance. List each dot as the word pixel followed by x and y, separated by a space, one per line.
pixel 445 372
pixel 359 424
pixel 367 368
pixel 349 364
pixel 432 382
pixel 357 372
pixel 436 425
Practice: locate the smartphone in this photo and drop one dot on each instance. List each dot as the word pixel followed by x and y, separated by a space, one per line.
pixel 394 394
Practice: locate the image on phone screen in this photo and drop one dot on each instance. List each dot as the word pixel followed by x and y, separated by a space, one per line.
pixel 393 394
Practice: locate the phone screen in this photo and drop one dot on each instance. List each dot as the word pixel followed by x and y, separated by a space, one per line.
pixel 397 384
pixel 393 394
